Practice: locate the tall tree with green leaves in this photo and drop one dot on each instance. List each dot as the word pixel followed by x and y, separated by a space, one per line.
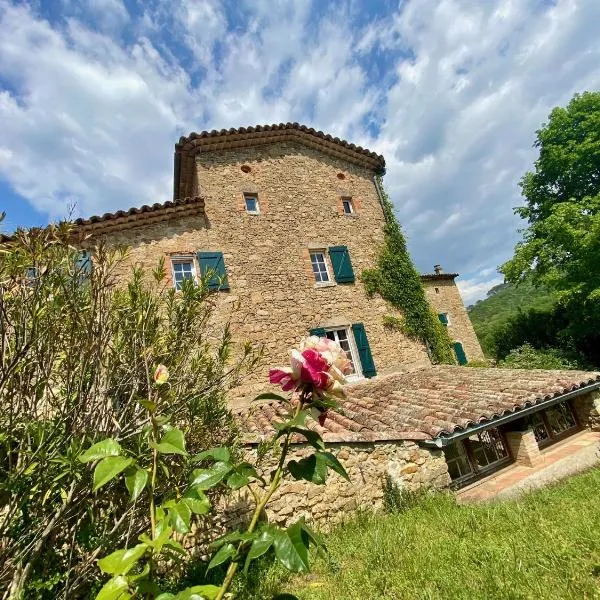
pixel 561 245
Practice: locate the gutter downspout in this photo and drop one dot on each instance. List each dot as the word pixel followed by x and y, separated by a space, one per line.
pixel 176 174
pixel 380 196
pixel 441 442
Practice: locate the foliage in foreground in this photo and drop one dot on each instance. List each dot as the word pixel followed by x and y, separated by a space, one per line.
pixel 527 357
pixel 315 375
pixel 77 355
pixel 544 546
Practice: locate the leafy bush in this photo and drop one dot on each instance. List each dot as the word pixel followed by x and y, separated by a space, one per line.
pixel 77 355
pixel 397 499
pixel 528 357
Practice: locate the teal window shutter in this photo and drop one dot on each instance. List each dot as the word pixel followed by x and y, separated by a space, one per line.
pixel 461 357
pixel 318 331
pixel 212 270
pixel 342 267
pixel 83 264
pixel 364 351
pixel 443 317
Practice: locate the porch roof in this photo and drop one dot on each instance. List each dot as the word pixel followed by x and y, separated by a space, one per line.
pixel 429 403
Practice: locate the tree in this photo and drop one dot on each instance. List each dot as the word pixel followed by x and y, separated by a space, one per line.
pixel 561 246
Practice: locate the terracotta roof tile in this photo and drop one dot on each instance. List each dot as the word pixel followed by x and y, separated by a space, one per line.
pixel 428 403
pixel 245 136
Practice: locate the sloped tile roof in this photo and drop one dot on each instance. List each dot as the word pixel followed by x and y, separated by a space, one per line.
pixel 247 136
pixel 432 402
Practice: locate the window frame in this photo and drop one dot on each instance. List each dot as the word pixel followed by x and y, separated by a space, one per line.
pixel 180 260
pixel 251 196
pixel 323 253
pixel 354 354
pixel 546 425
pixel 348 200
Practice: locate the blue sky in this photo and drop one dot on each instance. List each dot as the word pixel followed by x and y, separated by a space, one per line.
pixel 94 94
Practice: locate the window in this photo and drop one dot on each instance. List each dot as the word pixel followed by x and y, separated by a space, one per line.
pixel 183 268
pixel 213 271
pixel 477 455
pixel 345 339
pixel 319 267
pixel 444 318
pixel 251 201
pixel 348 206
pixel 437 290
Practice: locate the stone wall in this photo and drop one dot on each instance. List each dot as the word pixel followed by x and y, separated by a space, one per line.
pixel 587 410
pixel 409 466
pixel 273 299
pixel 444 297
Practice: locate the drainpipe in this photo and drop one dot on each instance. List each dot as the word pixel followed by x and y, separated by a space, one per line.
pixel 380 196
pixel 441 442
pixel 176 174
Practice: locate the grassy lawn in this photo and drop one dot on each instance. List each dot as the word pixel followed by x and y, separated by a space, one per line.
pixel 545 545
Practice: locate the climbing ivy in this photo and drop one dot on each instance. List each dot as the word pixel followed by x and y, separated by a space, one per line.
pixel 397 281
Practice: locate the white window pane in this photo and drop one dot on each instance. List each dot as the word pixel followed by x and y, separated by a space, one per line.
pixel 319 267
pixel 182 270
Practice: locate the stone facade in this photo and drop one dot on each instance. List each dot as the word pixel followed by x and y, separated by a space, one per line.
pixel 444 297
pixel 523 447
pixel 273 299
pixel 408 465
pixel 587 410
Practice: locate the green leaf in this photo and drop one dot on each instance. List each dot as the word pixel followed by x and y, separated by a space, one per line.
pixel 108 468
pixel 225 553
pixel 136 482
pixel 259 547
pixel 219 453
pixel 204 479
pixel 291 549
pixel 108 447
pixel 234 536
pixel 179 516
pixel 297 421
pixel 114 589
pixel 312 468
pixel 198 592
pixel 173 442
pixel 175 546
pixel 271 396
pixel 237 480
pixel 312 437
pixel 333 463
pixel 121 561
pixel 199 505
pixel 165 596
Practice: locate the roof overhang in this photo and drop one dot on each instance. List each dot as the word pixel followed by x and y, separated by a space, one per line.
pixel 446 439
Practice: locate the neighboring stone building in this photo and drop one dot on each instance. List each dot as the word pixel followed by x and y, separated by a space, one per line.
pixel 280 221
pixel 445 298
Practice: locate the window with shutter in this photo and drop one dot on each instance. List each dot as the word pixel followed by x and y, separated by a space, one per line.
pixel 318 331
pixel 212 270
pixel 443 317
pixel 364 350
pixel 342 267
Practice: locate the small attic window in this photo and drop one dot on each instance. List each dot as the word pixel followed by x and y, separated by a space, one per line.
pixel 246 168
pixel 251 201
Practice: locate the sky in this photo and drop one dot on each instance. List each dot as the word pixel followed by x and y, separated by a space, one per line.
pixel 95 93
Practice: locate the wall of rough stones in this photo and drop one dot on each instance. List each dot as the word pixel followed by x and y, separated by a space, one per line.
pixel 447 299
pixel 273 299
pixel 409 466
pixel 587 410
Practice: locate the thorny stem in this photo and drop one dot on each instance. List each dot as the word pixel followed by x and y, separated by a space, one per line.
pixel 233 567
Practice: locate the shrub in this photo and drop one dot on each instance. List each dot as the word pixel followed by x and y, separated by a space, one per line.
pixel 528 357
pixel 77 354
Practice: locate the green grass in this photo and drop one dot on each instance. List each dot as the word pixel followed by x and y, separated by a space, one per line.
pixel 544 545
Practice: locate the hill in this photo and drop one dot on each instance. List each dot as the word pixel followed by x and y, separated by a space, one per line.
pixel 503 302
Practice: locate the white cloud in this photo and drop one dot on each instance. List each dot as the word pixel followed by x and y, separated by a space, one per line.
pixel 472 290
pixel 92 103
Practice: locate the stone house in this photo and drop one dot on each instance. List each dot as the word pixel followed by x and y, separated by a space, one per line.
pixel 281 220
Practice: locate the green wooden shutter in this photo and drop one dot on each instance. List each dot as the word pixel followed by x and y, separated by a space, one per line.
pixel 443 317
pixel 364 351
pixel 83 264
pixel 212 270
pixel 461 357
pixel 318 331
pixel 342 267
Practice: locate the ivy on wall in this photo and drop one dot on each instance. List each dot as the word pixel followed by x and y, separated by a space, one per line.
pixel 397 281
